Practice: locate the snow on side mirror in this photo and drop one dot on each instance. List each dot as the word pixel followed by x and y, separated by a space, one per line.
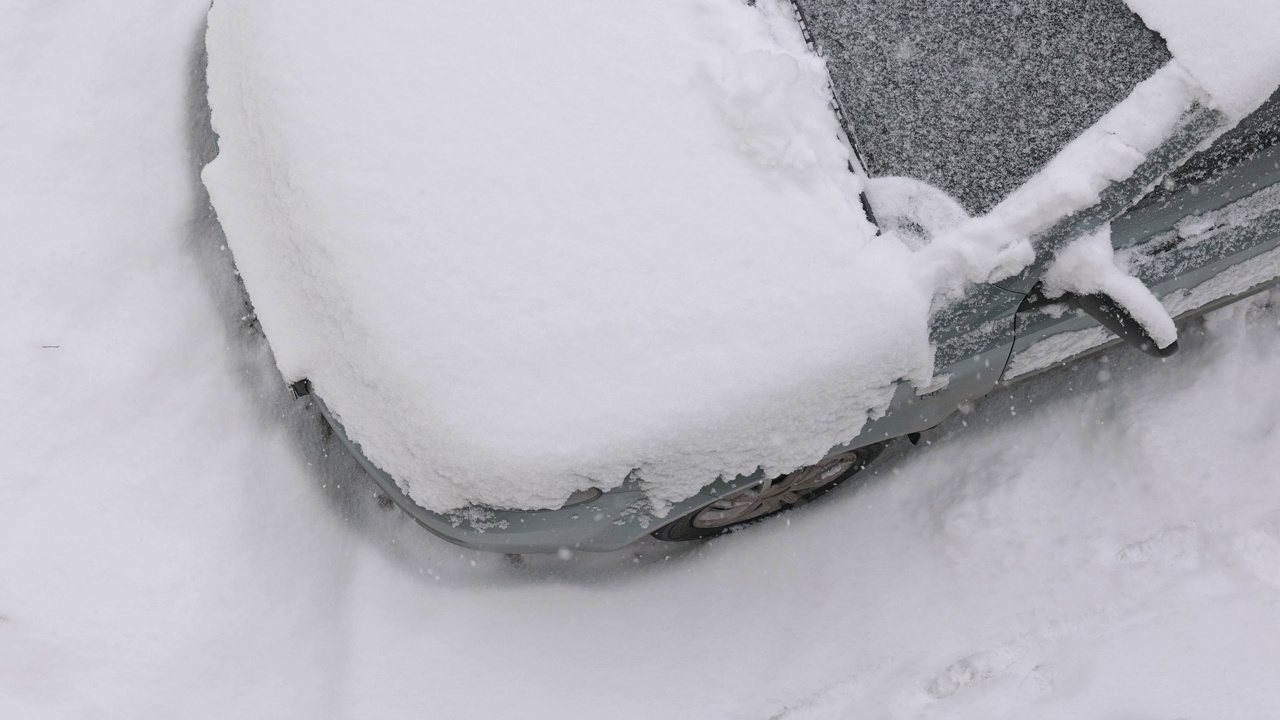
pixel 1114 317
pixel 1086 274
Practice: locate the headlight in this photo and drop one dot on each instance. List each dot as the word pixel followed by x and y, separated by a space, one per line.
pixel 582 496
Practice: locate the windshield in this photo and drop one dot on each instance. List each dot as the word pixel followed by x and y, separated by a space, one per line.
pixel 975 96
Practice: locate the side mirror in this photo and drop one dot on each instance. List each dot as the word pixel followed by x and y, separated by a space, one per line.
pixel 1115 318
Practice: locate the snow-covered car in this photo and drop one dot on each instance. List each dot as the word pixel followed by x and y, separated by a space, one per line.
pixel 566 278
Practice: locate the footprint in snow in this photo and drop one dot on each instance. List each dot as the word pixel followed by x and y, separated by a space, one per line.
pixel 1006 664
pixel 1259 550
pixel 1179 545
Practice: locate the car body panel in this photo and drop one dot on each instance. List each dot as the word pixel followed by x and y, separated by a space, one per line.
pixel 1052 335
pixel 1194 228
pixel 621 516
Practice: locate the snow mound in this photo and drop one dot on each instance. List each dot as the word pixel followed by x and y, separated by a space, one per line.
pixel 524 250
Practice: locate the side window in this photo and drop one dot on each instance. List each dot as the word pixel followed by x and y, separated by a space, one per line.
pixel 972 96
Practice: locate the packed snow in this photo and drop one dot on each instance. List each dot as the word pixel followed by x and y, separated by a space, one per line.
pixel 178 538
pixel 613 239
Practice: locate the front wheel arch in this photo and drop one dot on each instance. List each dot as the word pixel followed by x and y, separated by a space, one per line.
pixel 764 500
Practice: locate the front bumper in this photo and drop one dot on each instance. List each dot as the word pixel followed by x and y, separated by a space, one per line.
pixel 624 514
pixel 611 521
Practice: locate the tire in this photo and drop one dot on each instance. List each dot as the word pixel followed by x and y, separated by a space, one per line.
pixel 757 502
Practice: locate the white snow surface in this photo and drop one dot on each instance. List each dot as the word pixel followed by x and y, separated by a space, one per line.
pixel 179 539
pixel 1228 45
pixel 523 249
pixel 914 210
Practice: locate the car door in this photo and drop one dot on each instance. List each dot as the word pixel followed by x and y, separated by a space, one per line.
pixel 1203 237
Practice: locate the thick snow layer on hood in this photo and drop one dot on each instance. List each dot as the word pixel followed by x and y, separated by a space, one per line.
pixel 1228 45
pixel 524 249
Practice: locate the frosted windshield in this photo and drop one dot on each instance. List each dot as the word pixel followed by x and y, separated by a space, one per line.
pixel 974 97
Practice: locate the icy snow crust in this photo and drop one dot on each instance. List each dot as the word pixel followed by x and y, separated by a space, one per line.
pixel 521 256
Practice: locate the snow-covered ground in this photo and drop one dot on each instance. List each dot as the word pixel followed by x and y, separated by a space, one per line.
pixel 180 539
